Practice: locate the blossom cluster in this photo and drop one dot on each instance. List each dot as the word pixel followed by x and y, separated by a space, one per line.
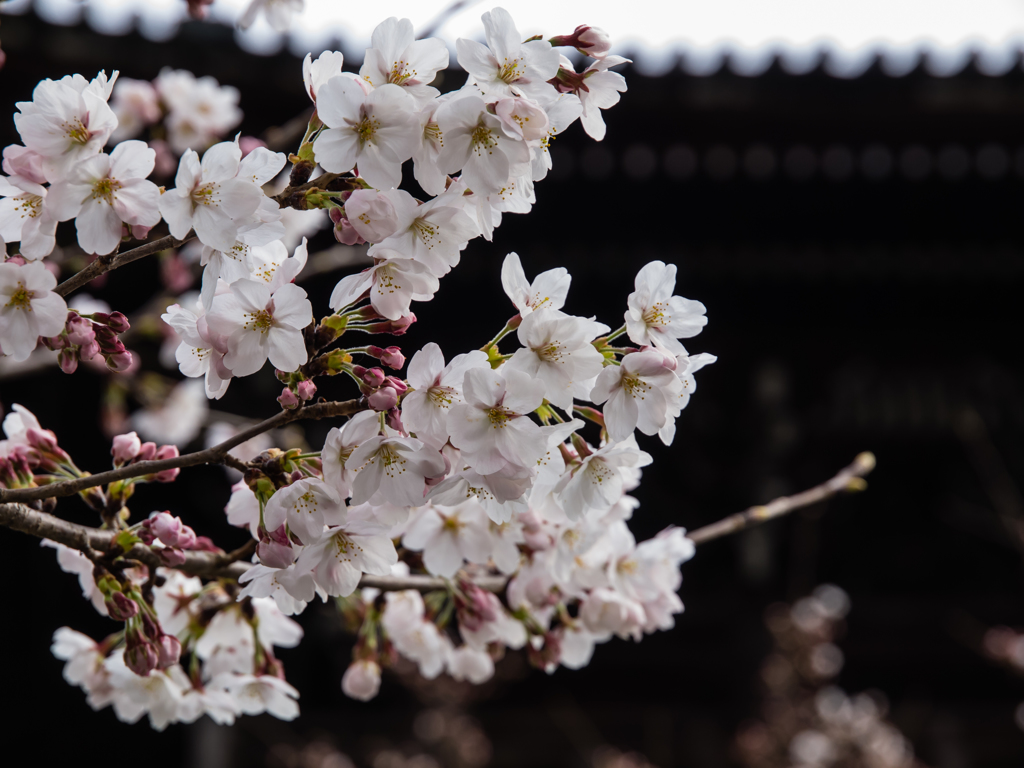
pixel 516 463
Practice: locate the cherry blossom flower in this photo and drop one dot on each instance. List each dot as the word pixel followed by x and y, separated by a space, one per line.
pixel 597 483
pixel 209 197
pixel 136 104
pixel 686 366
pixel 26 217
pixel 476 143
pixel 562 113
pixel 361 680
pixel 105 191
pixel 259 325
pixel 199 109
pixel 374 214
pixel 428 147
pixel 340 557
pixel 601 91
pixel 433 234
pixel 607 611
pixel 393 470
pixel 338 448
pixel 657 318
pixel 435 388
pixel 639 393
pixel 375 130
pixel 490 427
pixel 315 73
pixel 507 66
pixel 67 121
pixel 28 307
pixel 393 282
pixel 81 653
pixel 201 350
pixel 448 536
pixel 557 351
pixel 548 290
pixel 255 695
pixel 395 56
pixel 306 506
pixel 468 663
pixel 178 419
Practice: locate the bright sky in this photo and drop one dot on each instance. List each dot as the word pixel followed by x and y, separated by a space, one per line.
pixel 850 29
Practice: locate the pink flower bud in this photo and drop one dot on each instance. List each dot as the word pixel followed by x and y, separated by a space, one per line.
pixel 147 451
pixel 136 231
pixel 167 475
pixel 141 659
pixel 125 448
pixel 361 680
pixel 275 549
pixel 305 390
pixel 392 357
pixel 344 232
pixel 172 557
pixel 121 607
pixel 88 351
pixel 288 399
pixel 165 527
pixel 394 420
pixel 67 359
pixel 384 399
pixel 396 384
pixel 169 652
pixel 117 322
pixel 393 327
pixel 372 377
pixel 592 41
pixel 120 362
pixel 80 330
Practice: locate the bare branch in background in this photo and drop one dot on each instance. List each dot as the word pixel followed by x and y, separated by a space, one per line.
pixel 112 261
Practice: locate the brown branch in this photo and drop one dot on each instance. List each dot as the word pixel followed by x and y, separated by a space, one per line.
pixel 112 261
pixel 230 565
pixel 286 197
pixel 849 479
pixel 217 454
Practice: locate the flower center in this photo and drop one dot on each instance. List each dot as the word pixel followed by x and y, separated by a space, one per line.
pixel 656 315
pixel 483 140
pixel 551 352
pixel 398 75
pixel 367 129
pixel 204 195
pixel 635 386
pixel 22 298
pixel 500 417
pixel 433 133
pixel 387 280
pixel 76 131
pixel 426 232
pixel 29 205
pixel 392 462
pixel 261 321
pixel 442 397
pixel 510 71
pixel 104 189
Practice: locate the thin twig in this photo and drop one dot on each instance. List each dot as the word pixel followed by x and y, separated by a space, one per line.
pixel 216 454
pixel 849 479
pixel 105 264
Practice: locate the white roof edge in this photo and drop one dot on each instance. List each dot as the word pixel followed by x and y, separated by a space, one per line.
pixel 161 22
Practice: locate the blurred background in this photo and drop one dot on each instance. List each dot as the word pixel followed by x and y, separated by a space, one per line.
pixel 841 187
